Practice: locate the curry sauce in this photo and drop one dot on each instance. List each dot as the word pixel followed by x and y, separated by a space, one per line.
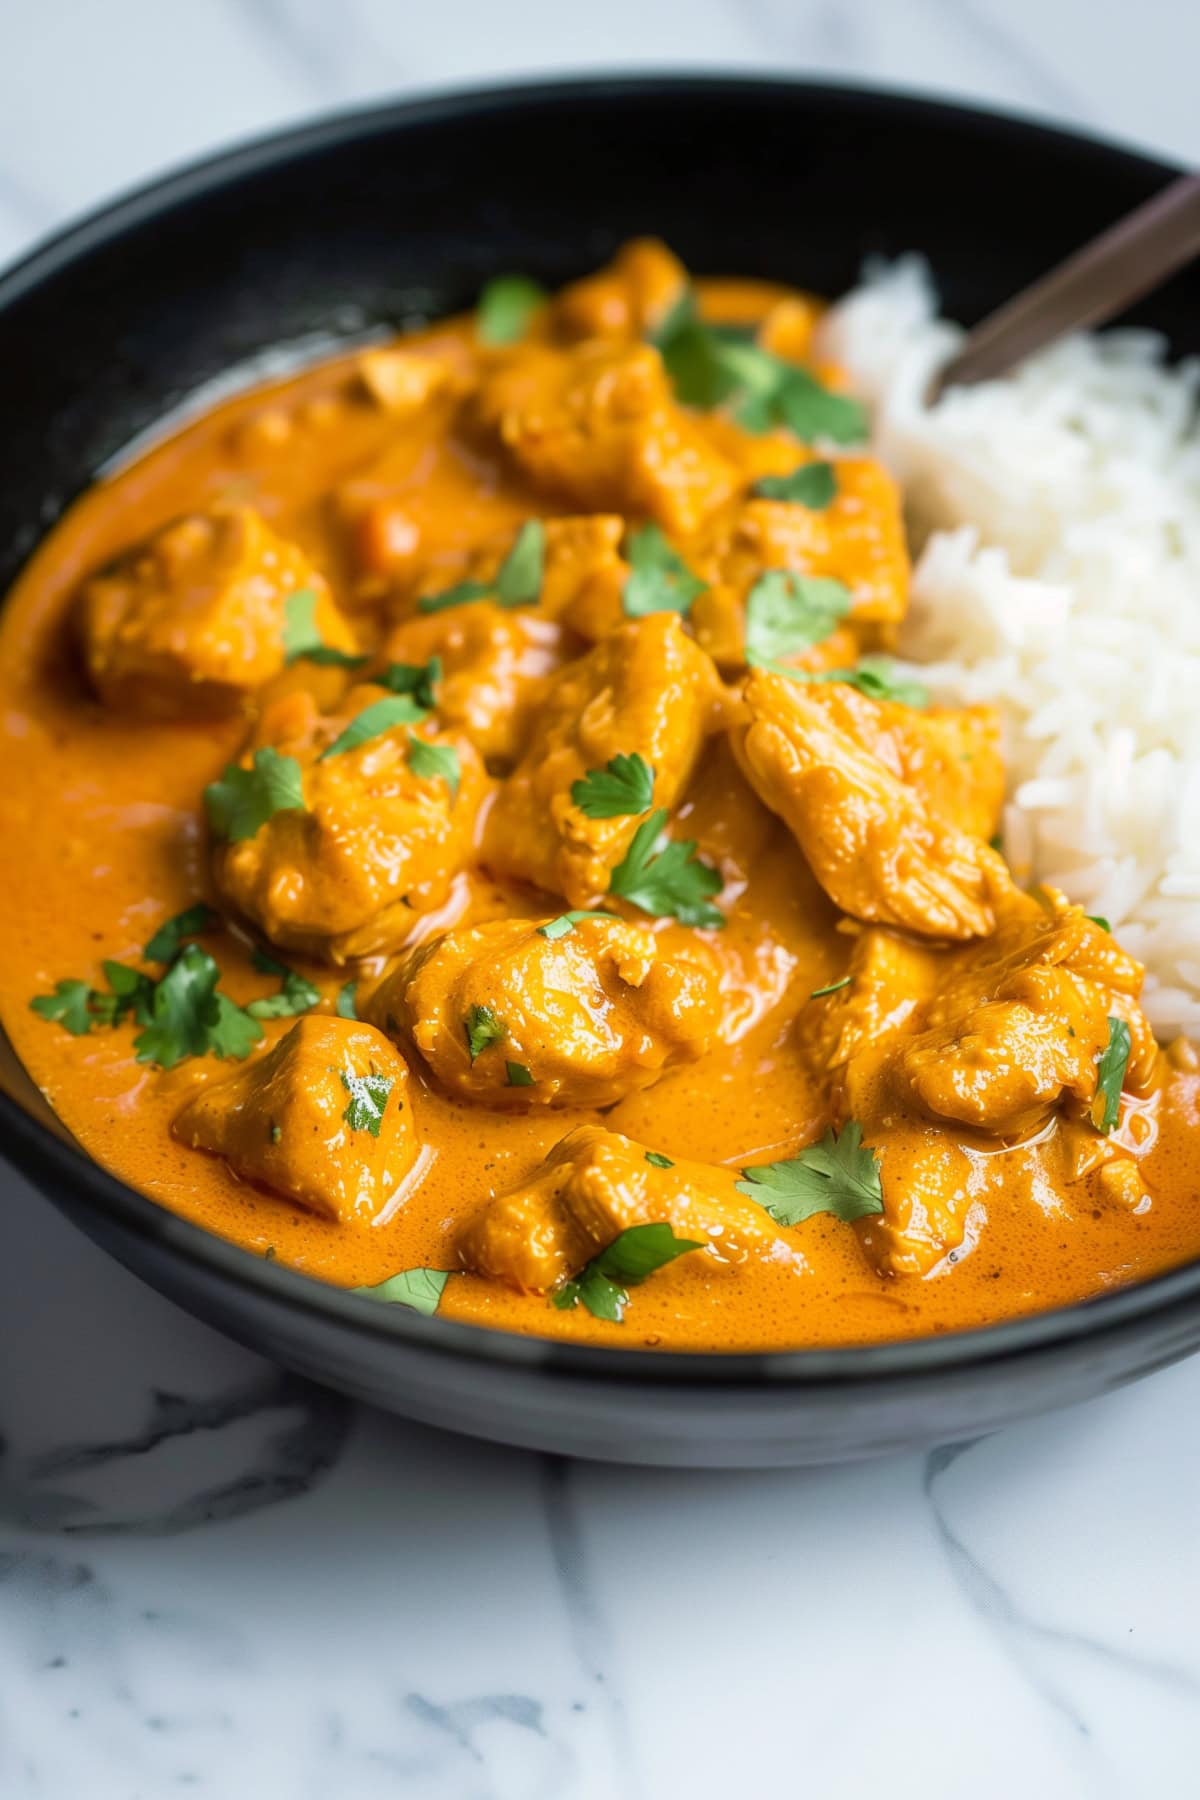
pixel 514 702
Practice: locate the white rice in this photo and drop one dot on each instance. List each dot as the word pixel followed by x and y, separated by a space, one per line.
pixel 1059 514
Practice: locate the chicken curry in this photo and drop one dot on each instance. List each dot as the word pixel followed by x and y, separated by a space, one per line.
pixel 466 838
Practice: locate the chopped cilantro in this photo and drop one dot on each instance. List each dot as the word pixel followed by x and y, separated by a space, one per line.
pixel 417 679
pixel 373 721
pixel 659 580
pixel 301 639
pixel 420 1289
pixel 833 988
pixel 68 1006
pixel 186 1016
pixel 1110 1075
pixel 787 613
pixel 506 306
pixel 1100 920
pixel 813 485
pixel 297 995
pixel 482 1028
pixel 872 676
pixel 602 1285
pixel 434 762
pixel 662 877
pixel 658 1161
pixel 625 786
pixel 462 594
pixel 168 939
pixel 368 1097
pixel 345 1007
pixel 519 577
pixel 558 928
pixel 240 804
pixel 518 1075
pixel 839 1175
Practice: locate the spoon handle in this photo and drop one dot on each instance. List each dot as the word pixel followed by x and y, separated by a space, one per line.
pixel 1094 284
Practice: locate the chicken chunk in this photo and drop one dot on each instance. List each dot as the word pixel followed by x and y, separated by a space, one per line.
pixel 323 1119
pixel 399 380
pixel 645 688
pixel 379 839
pixel 597 427
pixel 584 1016
pixel 627 300
pixel 882 849
pixel 192 621
pixel 596 1184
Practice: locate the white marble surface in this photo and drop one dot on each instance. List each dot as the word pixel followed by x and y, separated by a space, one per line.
pixel 214 1578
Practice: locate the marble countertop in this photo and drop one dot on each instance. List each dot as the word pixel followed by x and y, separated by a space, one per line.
pixel 214 1577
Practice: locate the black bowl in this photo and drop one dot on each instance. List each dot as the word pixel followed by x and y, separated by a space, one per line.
pixel 403 211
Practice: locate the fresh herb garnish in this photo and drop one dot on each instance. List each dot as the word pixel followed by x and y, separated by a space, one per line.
pixel 1100 920
pixel 373 721
pixel 659 580
pixel 417 679
pixel 839 1175
pixel 297 995
pixel 435 762
pixel 301 639
pixel 662 878
pixel 168 939
pixel 69 1006
pixel 565 922
pixel 658 1160
pixel 518 1075
pixel 506 306
pixel 518 580
pixel 186 1016
pixel 345 1005
pixel 813 485
pixel 368 1097
pixel 482 1028
pixel 420 1289
pixel 1110 1075
pixel 624 786
pixel 240 804
pixel 602 1285
pixel 833 987
pixel 787 613
pixel 873 676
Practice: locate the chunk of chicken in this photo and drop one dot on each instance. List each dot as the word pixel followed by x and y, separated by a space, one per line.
pixel 596 1184
pixel 400 380
pixel 645 688
pixel 882 849
pixel 597 427
pixel 192 620
pixel 587 1016
pixel 628 299
pixel 377 841
pixel 322 1119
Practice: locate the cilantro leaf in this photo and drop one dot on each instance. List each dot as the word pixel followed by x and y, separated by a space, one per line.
pixel 813 485
pixel 601 1285
pixel 518 1075
pixel 373 721
pixel 462 594
pixel 482 1028
pixel 1110 1075
pixel 787 613
pixel 301 639
pixel 346 1007
pixel 132 992
pixel 420 1289
pixel 1100 920
pixel 240 804
pixel 506 306
pixel 558 928
pixel 658 1160
pixel 664 880
pixel 297 995
pixel 833 987
pixel 624 786
pixel 519 577
pixel 368 1098
pixel 67 1006
pixel 434 762
pixel 187 1016
pixel 659 580
pixel 417 679
pixel 167 941
pixel 872 676
pixel 813 411
pixel 839 1175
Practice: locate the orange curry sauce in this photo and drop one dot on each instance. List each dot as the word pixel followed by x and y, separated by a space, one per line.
pixel 390 494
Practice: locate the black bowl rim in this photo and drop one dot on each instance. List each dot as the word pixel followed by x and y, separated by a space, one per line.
pixel 45 1157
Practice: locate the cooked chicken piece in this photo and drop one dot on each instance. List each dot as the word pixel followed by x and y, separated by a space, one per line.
pixel 399 380
pixel 628 299
pixel 192 621
pixel 584 1016
pixel 882 850
pixel 595 1185
pixel 322 1119
pixel 887 979
pixel 645 688
pixel 788 328
pixel 496 668
pixel 597 427
pixel 378 839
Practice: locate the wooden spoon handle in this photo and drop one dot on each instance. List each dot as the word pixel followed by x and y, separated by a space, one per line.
pixel 1093 285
